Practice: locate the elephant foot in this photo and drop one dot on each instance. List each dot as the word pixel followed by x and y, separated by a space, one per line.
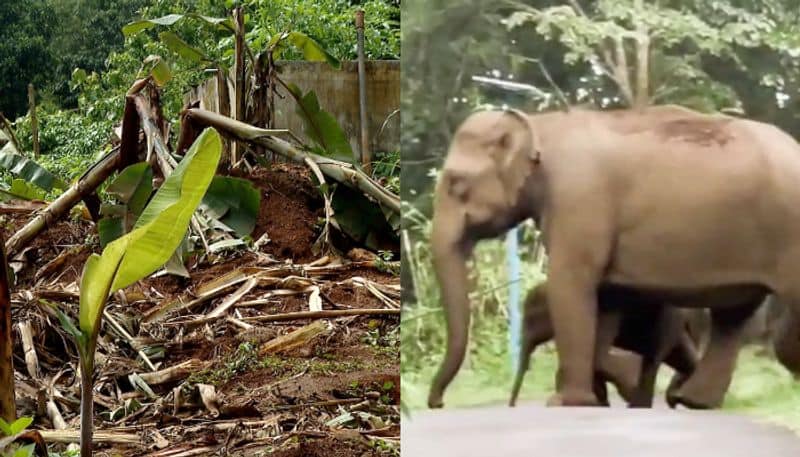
pixel 671 395
pixel 435 401
pixel 696 395
pixel 573 399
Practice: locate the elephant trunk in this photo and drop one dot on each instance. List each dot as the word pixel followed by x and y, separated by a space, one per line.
pixel 450 263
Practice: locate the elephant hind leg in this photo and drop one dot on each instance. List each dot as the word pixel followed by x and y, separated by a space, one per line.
pixel 706 387
pixel 683 359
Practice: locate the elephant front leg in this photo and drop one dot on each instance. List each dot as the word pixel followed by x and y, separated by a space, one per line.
pixel 572 300
pixel 706 386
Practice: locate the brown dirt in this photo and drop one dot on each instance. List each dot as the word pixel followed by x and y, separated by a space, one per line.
pixel 328 447
pixel 358 360
pixel 290 207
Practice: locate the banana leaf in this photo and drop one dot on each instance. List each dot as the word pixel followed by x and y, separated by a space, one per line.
pixel 321 126
pixel 135 27
pixel 234 202
pixel 156 234
pixel 27 169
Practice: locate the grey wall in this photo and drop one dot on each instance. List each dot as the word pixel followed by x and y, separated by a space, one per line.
pixel 337 91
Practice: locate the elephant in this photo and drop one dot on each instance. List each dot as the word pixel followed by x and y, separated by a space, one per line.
pixel 649 199
pixel 657 333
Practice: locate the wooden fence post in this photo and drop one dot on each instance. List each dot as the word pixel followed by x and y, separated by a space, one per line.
pixel 34 120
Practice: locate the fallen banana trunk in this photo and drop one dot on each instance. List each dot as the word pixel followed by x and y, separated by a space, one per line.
pixel 85 186
pixel 295 339
pixel 336 170
pixel 322 314
pixel 73 436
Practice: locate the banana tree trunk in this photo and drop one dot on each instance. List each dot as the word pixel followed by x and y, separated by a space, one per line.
pixel 61 206
pixel 334 169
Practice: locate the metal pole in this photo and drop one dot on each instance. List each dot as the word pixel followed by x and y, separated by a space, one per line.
pixel 366 155
pixel 514 319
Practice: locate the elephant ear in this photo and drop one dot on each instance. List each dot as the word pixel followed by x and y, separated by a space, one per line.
pixel 530 145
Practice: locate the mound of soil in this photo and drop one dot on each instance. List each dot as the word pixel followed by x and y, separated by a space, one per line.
pixel 290 208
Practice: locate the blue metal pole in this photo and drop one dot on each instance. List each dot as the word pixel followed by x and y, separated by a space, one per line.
pixel 514 319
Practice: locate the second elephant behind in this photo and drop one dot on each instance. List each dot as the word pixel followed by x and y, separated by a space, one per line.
pixel 659 334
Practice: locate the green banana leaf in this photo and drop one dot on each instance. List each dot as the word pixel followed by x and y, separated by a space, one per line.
pixel 311 49
pixel 175 44
pixel 158 68
pixel 135 27
pixel 132 189
pixel 321 126
pixel 156 234
pixel 27 169
pixel 234 202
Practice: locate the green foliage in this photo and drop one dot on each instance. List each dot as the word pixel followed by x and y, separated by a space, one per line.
pixel 155 236
pixel 15 427
pixel 321 126
pixel 25 55
pixel 69 141
pixel 386 169
pixel 8 433
pixel 330 22
pixel 233 201
pixel 361 219
pixel 27 169
pixel 131 189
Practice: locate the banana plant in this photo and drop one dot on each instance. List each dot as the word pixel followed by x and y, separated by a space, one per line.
pixel 257 87
pixel 155 236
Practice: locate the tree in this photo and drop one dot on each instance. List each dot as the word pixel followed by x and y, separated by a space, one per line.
pixel 736 56
pixel 25 32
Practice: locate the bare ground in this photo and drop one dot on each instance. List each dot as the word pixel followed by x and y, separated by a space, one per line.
pixel 335 395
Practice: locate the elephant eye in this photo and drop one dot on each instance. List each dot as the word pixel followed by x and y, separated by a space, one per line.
pixel 504 141
pixel 459 187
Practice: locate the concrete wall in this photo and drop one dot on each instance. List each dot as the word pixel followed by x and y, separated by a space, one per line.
pixel 337 91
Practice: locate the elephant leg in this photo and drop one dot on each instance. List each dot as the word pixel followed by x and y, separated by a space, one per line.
pixel 573 309
pixel 669 332
pixel 645 389
pixel 601 390
pixel 622 369
pixel 787 341
pixel 683 358
pixel 706 387
pixel 579 244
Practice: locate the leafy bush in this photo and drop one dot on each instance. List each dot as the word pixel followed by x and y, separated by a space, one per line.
pixel 69 142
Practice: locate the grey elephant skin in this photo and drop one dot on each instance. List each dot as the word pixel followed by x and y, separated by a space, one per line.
pixel 677 206
pixel 659 334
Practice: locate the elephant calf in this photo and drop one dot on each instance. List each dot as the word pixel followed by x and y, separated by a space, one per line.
pixel 658 333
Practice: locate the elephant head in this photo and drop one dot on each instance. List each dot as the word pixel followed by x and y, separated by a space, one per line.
pixel 489 183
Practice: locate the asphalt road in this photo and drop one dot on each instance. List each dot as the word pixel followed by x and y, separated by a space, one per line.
pixel 535 431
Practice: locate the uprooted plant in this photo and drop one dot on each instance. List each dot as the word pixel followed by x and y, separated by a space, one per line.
pixel 157 233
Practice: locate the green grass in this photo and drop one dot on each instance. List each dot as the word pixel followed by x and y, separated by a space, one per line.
pixel 761 387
